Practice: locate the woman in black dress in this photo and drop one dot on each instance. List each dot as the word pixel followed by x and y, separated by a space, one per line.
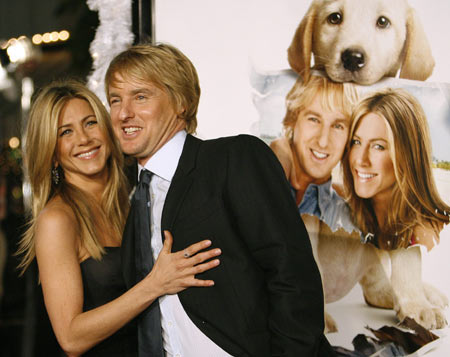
pixel 79 207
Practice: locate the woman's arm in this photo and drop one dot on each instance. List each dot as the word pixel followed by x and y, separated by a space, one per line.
pixel 60 275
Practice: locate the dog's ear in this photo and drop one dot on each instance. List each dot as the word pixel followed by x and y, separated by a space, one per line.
pixel 418 62
pixel 299 52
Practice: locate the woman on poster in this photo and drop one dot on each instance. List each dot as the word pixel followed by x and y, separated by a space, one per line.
pixel 388 176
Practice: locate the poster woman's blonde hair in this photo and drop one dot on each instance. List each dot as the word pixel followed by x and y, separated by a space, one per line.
pixel 415 200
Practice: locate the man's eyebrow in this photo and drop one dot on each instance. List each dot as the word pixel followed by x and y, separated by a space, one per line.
pixel 337 120
pixel 309 111
pixel 343 120
pixel 132 92
pixel 141 90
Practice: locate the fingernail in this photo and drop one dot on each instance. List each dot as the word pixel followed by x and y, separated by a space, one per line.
pixel 216 262
pixel 218 251
pixel 208 243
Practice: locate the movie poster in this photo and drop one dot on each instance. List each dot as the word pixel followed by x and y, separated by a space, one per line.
pixel 240 51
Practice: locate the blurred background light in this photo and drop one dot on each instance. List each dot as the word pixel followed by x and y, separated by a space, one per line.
pixel 64 35
pixel 46 37
pixel 37 39
pixel 19 50
pixel 54 36
pixel 14 142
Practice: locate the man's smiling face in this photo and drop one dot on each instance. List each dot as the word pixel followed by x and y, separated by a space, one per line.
pixel 319 141
pixel 143 117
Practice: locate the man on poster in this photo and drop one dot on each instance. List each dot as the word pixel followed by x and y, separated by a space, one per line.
pixel 267 299
pixel 317 124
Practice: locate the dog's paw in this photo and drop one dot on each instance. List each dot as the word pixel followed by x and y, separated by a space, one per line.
pixel 382 299
pixel 435 296
pixel 377 289
pixel 330 324
pixel 429 317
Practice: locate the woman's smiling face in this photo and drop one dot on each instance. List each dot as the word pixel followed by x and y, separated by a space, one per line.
pixel 370 160
pixel 81 149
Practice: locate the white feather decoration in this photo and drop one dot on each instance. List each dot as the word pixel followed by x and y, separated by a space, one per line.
pixel 113 35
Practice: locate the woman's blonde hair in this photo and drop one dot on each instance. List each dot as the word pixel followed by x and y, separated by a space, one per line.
pixel 334 96
pixel 167 68
pixel 39 156
pixel 415 199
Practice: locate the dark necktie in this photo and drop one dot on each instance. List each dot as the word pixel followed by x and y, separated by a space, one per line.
pixel 149 322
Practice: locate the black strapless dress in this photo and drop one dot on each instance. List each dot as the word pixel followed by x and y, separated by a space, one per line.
pixel 103 282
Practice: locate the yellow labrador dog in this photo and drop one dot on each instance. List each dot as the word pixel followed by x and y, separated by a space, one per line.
pixel 389 279
pixel 361 41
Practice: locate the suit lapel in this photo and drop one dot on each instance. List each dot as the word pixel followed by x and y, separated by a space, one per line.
pixel 181 182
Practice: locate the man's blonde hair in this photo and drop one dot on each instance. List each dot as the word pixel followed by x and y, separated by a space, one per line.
pixel 333 96
pixel 166 67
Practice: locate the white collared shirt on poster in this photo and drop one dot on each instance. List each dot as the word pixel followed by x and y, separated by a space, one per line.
pixel 181 338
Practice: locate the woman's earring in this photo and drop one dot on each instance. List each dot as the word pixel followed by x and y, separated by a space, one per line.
pixel 55 175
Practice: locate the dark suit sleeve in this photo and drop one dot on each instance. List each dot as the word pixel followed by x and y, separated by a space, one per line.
pixel 271 227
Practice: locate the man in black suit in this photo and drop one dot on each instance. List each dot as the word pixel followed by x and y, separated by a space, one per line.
pixel 267 299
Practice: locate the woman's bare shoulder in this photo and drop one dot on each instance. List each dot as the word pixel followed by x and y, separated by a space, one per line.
pixel 56 211
pixel 55 220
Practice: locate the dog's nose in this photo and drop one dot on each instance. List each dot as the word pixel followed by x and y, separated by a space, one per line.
pixel 353 60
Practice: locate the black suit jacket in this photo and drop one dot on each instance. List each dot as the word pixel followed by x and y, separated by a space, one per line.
pixel 267 299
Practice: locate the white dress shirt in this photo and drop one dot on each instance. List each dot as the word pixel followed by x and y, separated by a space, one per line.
pixel 181 338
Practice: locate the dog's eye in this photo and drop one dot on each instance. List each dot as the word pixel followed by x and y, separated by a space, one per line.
pixel 335 18
pixel 383 22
